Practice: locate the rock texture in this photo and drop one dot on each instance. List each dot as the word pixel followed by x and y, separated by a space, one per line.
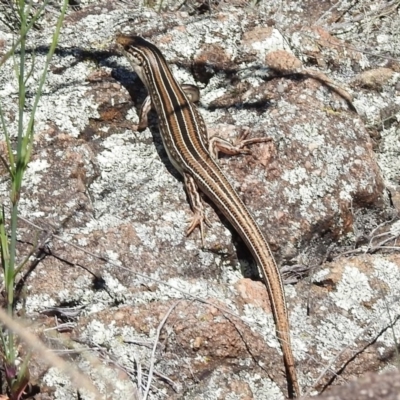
pixel 371 386
pixel 110 213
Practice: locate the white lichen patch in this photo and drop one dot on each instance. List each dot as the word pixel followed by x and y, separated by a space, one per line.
pixel 198 288
pixel 370 105
pixel 63 102
pixel 386 307
pixel 262 323
pixel 114 285
pixel 352 290
pixel 245 118
pixel 320 275
pixel 30 208
pixel 206 259
pixel 389 156
pixel 274 42
pixel 98 333
pixel 395 229
pixel 334 333
pixel 300 322
pixel 182 76
pixel 69 112
pixel 105 378
pixel 367 310
pixel 37 303
pixel 230 274
pixel 63 389
pixel 262 387
pixel 216 88
pixel 142 174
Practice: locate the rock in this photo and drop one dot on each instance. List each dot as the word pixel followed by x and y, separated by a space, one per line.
pixel 110 212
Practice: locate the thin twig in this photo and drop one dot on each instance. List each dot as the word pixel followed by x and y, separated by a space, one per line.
pixel 153 353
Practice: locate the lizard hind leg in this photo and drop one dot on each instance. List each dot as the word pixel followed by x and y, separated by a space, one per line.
pixel 219 145
pixel 199 218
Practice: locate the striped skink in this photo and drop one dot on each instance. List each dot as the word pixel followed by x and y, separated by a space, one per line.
pixel 185 138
